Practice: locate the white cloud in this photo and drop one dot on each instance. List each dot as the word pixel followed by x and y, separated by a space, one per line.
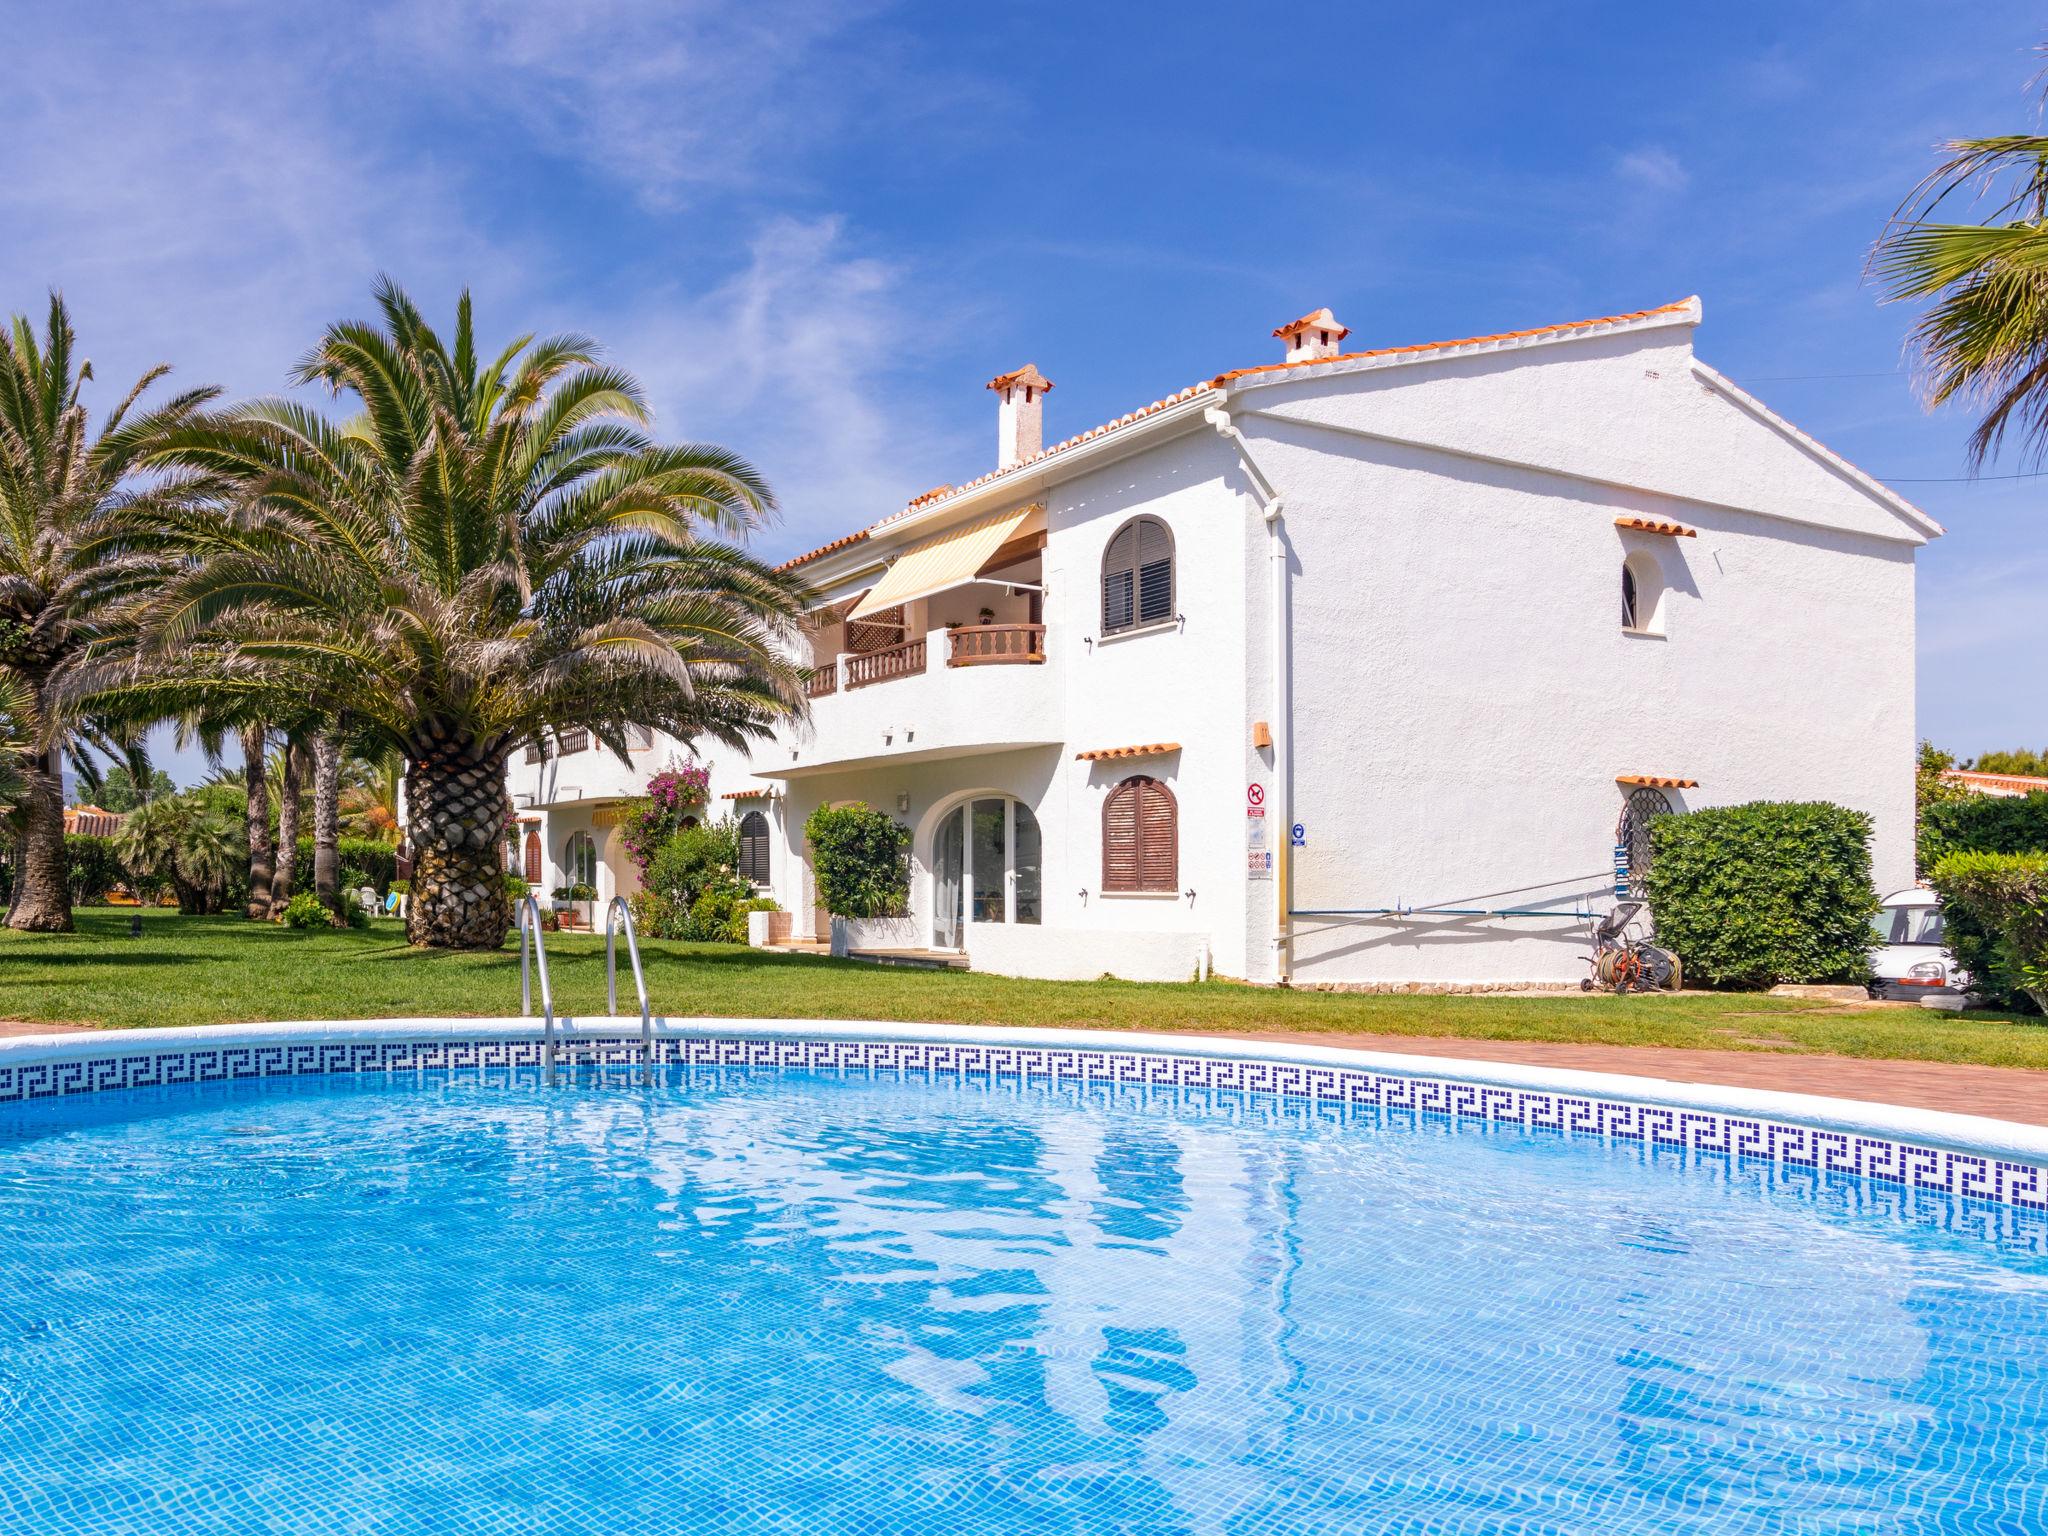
pixel 1654 167
pixel 804 361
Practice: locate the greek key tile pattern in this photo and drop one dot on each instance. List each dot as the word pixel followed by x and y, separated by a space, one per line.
pixel 1883 1161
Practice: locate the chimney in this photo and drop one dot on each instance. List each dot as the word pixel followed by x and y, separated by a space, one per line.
pixel 1020 417
pixel 1313 337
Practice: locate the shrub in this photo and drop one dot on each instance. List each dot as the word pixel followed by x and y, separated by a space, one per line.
pixel 516 888
pixel 95 868
pixel 304 911
pixel 672 797
pixel 1981 824
pixel 1750 895
pixel 404 887
pixel 362 863
pixel 2005 897
pixel 353 912
pixel 859 855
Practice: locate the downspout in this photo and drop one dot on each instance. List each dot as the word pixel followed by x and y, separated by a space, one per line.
pixel 1270 507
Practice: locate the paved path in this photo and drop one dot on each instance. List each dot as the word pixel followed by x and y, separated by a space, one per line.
pixel 2004 1093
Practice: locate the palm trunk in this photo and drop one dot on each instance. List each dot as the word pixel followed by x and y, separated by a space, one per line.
pixel 42 872
pixel 287 830
pixel 256 771
pixel 456 802
pixel 327 821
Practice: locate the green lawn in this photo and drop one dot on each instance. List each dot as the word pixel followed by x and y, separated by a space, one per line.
pixel 216 970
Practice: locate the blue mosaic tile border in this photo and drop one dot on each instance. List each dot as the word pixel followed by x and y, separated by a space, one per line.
pixel 1943 1170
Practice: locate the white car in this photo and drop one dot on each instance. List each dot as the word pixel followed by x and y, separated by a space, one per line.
pixel 1911 962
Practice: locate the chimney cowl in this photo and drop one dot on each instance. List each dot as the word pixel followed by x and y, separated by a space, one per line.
pixel 1315 336
pixel 1020 414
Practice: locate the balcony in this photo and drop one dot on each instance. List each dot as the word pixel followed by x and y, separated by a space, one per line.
pixel 898 705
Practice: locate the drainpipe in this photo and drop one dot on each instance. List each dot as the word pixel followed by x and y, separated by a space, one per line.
pixel 1283 691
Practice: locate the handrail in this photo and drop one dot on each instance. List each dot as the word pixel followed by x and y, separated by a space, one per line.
pixel 619 909
pixel 529 923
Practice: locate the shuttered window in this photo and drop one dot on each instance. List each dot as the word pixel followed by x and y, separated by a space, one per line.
pixel 1137 576
pixel 754 848
pixel 535 752
pixel 575 739
pixel 1140 837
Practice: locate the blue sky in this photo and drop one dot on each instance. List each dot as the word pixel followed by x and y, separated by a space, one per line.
pixel 815 230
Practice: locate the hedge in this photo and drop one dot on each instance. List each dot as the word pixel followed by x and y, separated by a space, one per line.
pixel 2001 824
pixel 362 863
pixel 1983 824
pixel 1752 895
pixel 95 868
pixel 859 855
pixel 2003 897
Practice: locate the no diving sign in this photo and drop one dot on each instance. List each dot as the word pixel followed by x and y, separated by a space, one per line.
pixel 1255 794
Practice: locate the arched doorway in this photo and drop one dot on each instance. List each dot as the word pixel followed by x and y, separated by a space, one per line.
pixel 986 867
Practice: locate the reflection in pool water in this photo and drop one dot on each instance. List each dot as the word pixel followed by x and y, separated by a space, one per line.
pixel 762 1300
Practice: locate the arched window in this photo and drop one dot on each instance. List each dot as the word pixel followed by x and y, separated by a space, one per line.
pixel 754 848
pixel 1632 838
pixel 533 870
pixel 1642 596
pixel 1140 837
pixel 1137 576
pixel 579 864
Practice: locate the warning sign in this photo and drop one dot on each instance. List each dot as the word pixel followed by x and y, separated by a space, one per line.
pixel 1255 794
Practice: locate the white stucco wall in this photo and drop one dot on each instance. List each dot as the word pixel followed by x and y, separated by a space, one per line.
pixel 1465 695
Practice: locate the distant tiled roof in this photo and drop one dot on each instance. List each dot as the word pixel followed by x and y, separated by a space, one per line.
pixel 1115 754
pixel 1655 781
pixel 1656 525
pixel 1996 783
pixel 1415 351
pixel 91 821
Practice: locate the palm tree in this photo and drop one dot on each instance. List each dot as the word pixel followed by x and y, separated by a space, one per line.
pixel 187 839
pixel 492 549
pixel 1984 336
pixel 68 501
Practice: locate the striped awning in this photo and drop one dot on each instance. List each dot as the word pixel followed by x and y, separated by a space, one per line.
pixel 1655 781
pixel 1114 754
pixel 952 559
pixel 1656 525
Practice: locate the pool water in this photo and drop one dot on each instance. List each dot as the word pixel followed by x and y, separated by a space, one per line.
pixel 761 1300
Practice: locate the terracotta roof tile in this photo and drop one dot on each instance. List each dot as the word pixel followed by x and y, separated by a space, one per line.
pixel 1028 375
pixel 1319 320
pixel 746 794
pixel 1656 781
pixel 1117 754
pixel 1657 525
pixel 823 549
pixel 1221 380
pixel 2013 783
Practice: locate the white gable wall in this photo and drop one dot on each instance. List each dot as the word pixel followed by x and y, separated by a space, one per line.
pixel 1465 695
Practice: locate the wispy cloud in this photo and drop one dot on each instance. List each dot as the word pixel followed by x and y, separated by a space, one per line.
pixel 1654 167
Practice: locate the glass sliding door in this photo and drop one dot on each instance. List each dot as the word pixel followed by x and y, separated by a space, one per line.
pixel 986 858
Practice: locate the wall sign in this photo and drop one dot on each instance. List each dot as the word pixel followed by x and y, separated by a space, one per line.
pixel 1300 838
pixel 1255 794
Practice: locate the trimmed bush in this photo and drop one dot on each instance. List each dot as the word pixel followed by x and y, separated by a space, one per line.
pixel 2005 898
pixel 860 857
pixel 95 868
pixel 1998 824
pixel 304 911
pixel 1752 895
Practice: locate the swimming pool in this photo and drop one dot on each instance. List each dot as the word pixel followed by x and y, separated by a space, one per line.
pixel 781 1298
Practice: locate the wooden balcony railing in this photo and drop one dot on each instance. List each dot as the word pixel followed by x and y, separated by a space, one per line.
pixel 824 679
pixel 906 660
pixel 982 645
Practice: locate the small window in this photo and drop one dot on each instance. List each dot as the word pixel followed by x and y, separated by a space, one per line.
pixel 1140 837
pixel 536 752
pixel 1137 576
pixel 574 740
pixel 1642 596
pixel 754 848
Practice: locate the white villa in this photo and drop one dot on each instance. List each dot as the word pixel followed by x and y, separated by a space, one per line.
pixel 1361 667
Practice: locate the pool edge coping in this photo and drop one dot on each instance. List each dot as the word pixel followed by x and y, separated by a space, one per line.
pixel 1943 1130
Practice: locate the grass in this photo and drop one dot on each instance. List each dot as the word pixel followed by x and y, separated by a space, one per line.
pixel 186 970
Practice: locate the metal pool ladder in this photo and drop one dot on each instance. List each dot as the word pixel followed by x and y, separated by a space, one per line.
pixel 614 914
pixel 529 933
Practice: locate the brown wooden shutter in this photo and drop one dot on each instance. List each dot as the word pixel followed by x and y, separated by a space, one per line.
pixel 1140 837
pixel 533 856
